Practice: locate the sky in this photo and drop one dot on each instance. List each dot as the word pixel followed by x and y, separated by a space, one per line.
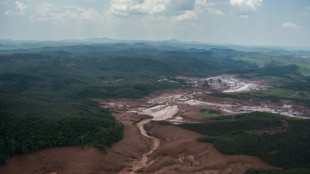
pixel 242 22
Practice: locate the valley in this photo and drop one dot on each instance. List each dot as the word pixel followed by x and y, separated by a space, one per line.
pixel 150 108
pixel 155 87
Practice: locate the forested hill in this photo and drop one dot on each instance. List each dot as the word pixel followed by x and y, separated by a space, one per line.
pixel 74 76
pixel 32 132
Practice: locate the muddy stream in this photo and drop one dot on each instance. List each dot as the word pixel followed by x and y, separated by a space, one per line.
pixel 155 145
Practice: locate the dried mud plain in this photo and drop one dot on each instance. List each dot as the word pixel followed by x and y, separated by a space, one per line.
pixel 154 148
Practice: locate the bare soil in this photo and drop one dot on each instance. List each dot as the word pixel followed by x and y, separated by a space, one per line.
pixel 179 152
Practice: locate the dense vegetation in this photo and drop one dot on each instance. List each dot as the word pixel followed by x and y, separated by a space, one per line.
pixel 28 133
pixel 73 75
pixel 278 140
pixel 275 171
pixel 279 65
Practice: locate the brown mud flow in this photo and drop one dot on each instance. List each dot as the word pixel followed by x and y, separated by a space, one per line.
pixel 143 162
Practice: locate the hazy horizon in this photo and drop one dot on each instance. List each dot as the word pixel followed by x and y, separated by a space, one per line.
pixel 276 23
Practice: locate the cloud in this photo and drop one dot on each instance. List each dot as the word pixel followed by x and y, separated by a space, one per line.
pixel 215 11
pixel 203 5
pixel 243 15
pixel 201 2
pixel 137 7
pixel 197 8
pixel 290 26
pixel 47 12
pixel 182 5
pixel 87 14
pixel 176 9
pixel 187 15
pixel 247 5
pixel 19 9
pixel 20 5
